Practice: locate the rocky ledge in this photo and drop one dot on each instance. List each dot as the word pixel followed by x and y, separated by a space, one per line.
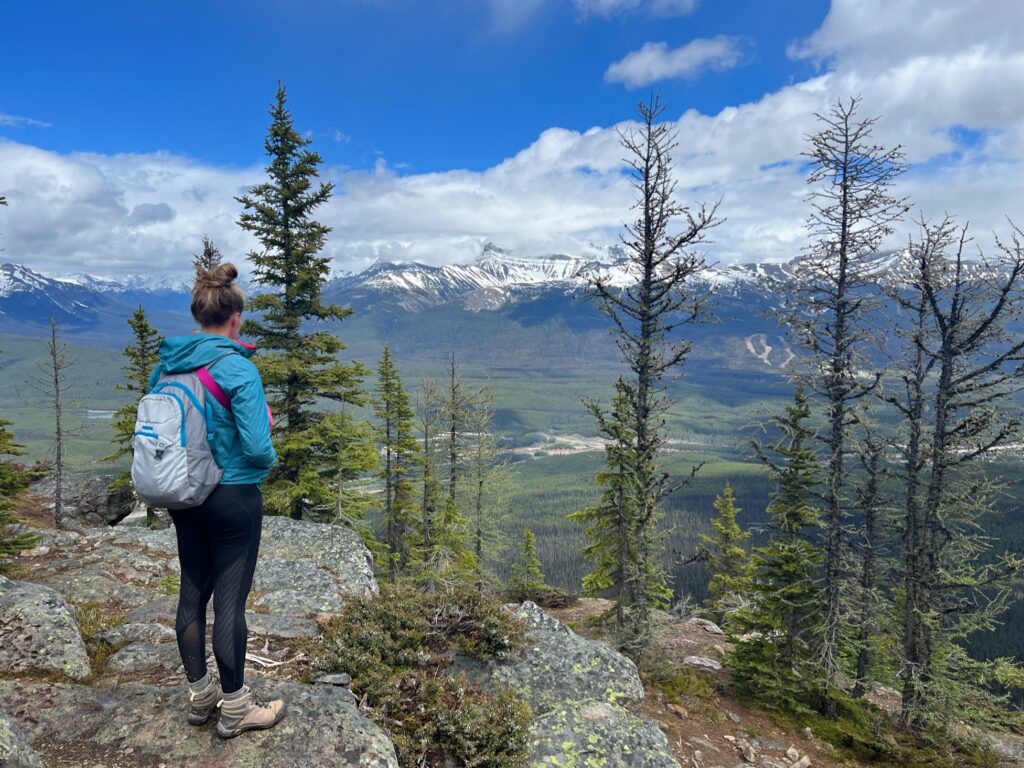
pixel 115 587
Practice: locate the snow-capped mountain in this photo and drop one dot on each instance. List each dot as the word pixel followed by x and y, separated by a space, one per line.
pixel 27 296
pixel 494 279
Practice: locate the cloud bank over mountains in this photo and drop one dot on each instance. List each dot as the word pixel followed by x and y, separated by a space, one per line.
pixel 947 76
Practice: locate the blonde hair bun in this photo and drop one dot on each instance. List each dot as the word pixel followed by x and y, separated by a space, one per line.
pixel 215 297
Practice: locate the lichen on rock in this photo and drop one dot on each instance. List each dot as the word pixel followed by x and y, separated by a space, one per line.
pixel 38 632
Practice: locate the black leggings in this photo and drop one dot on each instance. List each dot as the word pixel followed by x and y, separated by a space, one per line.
pixel 217 546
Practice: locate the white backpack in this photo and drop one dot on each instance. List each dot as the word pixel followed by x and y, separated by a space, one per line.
pixel 172 464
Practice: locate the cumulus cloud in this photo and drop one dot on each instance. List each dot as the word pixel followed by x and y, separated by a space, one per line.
pixel 655 61
pixel 955 101
pixel 608 8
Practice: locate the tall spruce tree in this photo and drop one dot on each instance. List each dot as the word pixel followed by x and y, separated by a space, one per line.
pixel 774 634
pixel 827 301
pixel 300 367
pixel 395 434
pixel 646 314
pixel 726 556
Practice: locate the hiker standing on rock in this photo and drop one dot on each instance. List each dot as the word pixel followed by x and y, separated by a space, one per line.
pixel 219 540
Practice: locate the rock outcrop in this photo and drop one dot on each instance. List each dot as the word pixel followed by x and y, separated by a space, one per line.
pixel 576 688
pixel 323 727
pixel 38 632
pixel 87 498
pixel 126 706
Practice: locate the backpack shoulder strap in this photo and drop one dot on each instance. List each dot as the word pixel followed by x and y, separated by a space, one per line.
pixel 215 389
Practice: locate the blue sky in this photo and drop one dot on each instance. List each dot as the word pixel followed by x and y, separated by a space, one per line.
pixel 428 85
pixel 127 128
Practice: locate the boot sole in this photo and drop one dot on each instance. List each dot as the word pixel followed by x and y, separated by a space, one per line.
pixel 230 734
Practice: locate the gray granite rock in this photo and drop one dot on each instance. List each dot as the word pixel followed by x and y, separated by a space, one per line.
pixel 38 631
pixel 323 726
pixel 559 666
pixel 597 733
pixel 161 541
pixel 15 751
pixel 296 588
pixel 138 633
pixel 87 498
pixel 145 657
pixel 335 548
pixel 285 627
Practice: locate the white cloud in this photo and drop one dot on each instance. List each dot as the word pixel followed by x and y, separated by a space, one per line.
pixel 14 121
pixel 654 61
pixel 608 8
pixel 509 16
pixel 147 213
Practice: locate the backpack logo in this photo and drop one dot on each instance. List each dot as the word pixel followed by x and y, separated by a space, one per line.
pixel 172 464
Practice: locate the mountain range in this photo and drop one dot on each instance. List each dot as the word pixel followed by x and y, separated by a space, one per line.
pixel 407 298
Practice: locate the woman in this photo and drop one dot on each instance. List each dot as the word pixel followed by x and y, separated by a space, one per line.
pixel 218 541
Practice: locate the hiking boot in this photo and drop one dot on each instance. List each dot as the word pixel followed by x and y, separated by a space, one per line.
pixel 248 713
pixel 202 703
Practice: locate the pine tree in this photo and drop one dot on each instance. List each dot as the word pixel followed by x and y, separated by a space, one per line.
pixel 13 481
pixel 357 461
pixel 141 357
pixel 428 406
pixel 955 399
pixel 527 581
pixel 299 367
pixel 727 556
pixel 456 414
pixel 489 481
pixel 645 314
pixel 449 560
pixel 774 635
pixel 616 537
pixel 209 258
pixel 400 448
pixel 827 301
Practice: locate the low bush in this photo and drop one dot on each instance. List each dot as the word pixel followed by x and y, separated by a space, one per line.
pixel 397 647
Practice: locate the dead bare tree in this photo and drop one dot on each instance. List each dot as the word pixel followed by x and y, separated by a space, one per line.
pixel 828 297
pixel 53 382
pixel 954 397
pixel 645 314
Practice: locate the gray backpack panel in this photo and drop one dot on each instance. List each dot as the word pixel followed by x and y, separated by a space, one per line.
pixel 172 465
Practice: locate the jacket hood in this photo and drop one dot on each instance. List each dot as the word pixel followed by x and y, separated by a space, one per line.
pixel 179 354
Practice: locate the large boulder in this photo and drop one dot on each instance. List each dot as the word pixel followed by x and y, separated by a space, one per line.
pixel 582 733
pixel 87 498
pixel 38 632
pixel 558 665
pixel 15 751
pixel 577 689
pixel 323 727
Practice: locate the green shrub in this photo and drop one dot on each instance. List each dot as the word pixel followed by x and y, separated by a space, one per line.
pixel 397 647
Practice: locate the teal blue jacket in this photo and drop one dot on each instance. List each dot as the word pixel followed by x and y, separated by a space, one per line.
pixel 241 443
